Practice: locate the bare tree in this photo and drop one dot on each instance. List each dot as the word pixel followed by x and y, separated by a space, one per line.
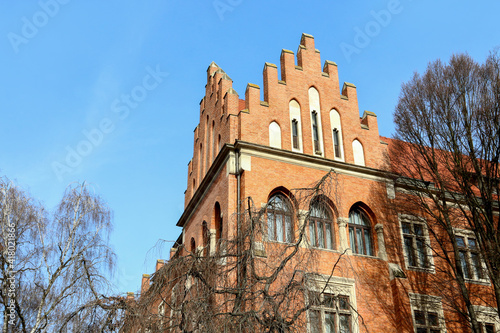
pixel 246 284
pixel 447 154
pixel 54 269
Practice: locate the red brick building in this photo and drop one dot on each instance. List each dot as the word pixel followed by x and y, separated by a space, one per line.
pixel 306 126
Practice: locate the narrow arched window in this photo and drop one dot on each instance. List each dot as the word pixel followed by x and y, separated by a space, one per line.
pixel 193 245
pixel 218 224
pixel 336 134
pixel 360 232
pixel 357 151
pixel 279 219
pixel 274 135
pixel 206 239
pixel 315 109
pixel 336 143
pixel 295 116
pixel 314 117
pixel 320 226
pixel 214 143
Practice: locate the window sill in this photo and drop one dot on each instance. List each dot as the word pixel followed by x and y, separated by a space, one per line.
pixel 365 256
pixel 324 249
pixel 421 269
pixel 483 282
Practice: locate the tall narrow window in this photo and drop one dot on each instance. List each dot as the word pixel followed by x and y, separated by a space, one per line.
pixel 320 226
pixel 360 233
pixel 279 219
pixel 274 135
pixel 295 134
pixel 416 243
pixel 469 257
pixel 206 239
pixel 314 117
pixel 214 143
pixel 336 143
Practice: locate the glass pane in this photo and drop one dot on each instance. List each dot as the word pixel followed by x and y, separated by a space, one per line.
pixel 472 243
pixel 489 328
pixel 312 233
pixel 351 239
pixel 406 228
pixel 422 330
pixel 460 241
pixel 344 323
pixel 270 226
pixel 329 322
pixel 463 262
pixel 409 251
pixel 321 237
pixel 359 239
pixel 432 319
pixel 328 301
pixel 419 230
pixel 422 253
pixel 288 229
pixel 368 243
pixel 279 228
pixel 344 303
pixel 419 318
pixel 315 321
pixel 476 265
pixel 329 244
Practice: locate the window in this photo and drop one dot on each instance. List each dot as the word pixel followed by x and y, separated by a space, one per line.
pixel 359 155
pixel 336 143
pixel 360 233
pixel 487 327
pixel 332 304
pixel 279 219
pixel 295 115
pixel 488 319
pixel 320 226
pixel 329 313
pixel 295 134
pixel 427 313
pixel 338 150
pixel 274 135
pixel 314 117
pixel 206 239
pixel 470 259
pixel 415 242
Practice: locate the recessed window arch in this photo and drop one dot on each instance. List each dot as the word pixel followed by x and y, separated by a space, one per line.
pixel 218 223
pixel 206 238
pixel 214 143
pixel 193 245
pixel 274 135
pixel 358 152
pixel 338 148
pixel 316 128
pixel 360 232
pixel 279 219
pixel 295 125
pixel 321 232
pixel 200 162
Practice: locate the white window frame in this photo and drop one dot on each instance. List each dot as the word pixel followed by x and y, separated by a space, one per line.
pixel 336 125
pixel 466 234
pixel 487 315
pixel 315 106
pixel 336 286
pixel 421 221
pixel 427 303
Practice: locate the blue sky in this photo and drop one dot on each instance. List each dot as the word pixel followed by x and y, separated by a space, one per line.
pixel 108 91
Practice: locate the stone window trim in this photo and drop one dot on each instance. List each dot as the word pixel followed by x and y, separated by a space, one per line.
pixel 427 305
pixel 411 219
pixel 337 287
pixel 487 316
pixel 468 235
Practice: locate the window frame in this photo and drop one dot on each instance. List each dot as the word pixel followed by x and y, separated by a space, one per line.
pixel 337 151
pixel 336 286
pixel 472 278
pixel 427 304
pixel 284 214
pixel 487 316
pixel 364 228
pixel 295 134
pixel 415 220
pixel 315 132
pixel 315 221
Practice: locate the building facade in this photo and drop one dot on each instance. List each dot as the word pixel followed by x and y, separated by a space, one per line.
pixel 376 268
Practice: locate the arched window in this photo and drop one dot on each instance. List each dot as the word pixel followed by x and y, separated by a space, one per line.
pixel 320 226
pixel 279 219
pixel 315 109
pixel 193 245
pixel 200 163
pixel 360 232
pixel 357 151
pixel 336 135
pixel 214 143
pixel 294 109
pixel 206 239
pixel 218 223
pixel 274 135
